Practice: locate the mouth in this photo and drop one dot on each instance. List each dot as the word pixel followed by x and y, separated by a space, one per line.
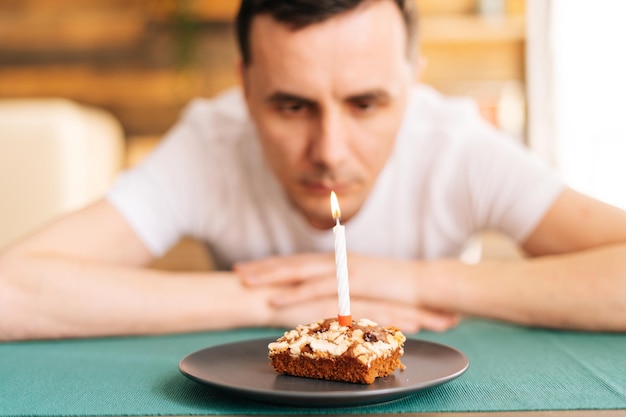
pixel 324 187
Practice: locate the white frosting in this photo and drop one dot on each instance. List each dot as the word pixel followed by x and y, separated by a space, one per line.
pixel 309 340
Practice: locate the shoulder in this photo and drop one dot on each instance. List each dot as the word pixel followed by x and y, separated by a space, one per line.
pixel 455 124
pixel 195 167
pixel 229 104
pixel 441 110
pixel 209 129
pixel 435 121
pixel 222 115
pixel 440 129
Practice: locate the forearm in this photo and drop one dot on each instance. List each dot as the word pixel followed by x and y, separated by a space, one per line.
pixel 583 290
pixel 54 297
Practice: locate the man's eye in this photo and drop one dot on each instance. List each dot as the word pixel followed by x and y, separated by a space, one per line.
pixel 362 106
pixel 292 107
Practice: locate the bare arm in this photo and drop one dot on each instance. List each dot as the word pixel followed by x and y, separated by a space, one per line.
pixel 84 276
pixel 575 277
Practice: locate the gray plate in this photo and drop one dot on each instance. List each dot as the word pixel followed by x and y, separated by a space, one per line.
pixel 243 369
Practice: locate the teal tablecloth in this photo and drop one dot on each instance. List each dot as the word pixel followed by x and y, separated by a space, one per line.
pixel 512 368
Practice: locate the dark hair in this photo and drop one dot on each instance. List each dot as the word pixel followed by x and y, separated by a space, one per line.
pixel 298 14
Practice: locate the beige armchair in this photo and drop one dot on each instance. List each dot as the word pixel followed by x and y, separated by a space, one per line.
pixel 55 156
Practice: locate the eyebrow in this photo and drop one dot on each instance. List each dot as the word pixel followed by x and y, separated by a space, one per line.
pixel 280 97
pixel 375 94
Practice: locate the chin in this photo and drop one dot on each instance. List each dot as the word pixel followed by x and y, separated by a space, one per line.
pixel 315 207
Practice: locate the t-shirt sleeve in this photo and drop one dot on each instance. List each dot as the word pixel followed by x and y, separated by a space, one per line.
pixel 157 196
pixel 510 189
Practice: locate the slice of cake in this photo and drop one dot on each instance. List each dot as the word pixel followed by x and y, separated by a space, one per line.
pixel 323 349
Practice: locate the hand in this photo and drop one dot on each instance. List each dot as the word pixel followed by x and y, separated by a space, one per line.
pixel 383 290
pixel 409 319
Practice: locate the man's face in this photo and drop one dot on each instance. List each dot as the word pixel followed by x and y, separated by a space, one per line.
pixel 328 101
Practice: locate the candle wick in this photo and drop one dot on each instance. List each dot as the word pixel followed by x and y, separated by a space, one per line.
pixel 338 219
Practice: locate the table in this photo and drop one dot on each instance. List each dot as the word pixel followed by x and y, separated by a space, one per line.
pixel 514 371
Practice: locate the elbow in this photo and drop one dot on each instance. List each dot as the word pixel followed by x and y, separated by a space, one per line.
pixel 13 301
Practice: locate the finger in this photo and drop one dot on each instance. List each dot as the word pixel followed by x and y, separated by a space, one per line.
pixel 326 284
pixel 275 270
pixel 322 286
pixel 438 321
pixel 306 312
pixel 384 280
pixel 389 312
pixel 405 317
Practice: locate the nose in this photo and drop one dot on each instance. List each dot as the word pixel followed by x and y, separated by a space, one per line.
pixel 329 141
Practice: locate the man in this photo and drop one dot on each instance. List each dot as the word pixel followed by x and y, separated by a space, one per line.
pixel 331 105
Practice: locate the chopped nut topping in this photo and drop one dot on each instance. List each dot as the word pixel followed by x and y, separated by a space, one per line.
pixel 364 339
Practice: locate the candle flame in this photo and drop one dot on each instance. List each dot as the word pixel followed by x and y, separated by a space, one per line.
pixel 334 206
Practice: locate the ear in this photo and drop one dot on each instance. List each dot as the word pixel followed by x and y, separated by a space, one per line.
pixel 241 74
pixel 419 67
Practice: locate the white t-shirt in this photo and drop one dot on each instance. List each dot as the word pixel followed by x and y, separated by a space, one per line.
pixel 449 176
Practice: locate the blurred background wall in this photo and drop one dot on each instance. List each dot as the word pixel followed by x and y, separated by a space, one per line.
pixel 576 91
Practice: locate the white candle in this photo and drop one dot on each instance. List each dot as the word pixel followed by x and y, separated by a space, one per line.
pixel 341 264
